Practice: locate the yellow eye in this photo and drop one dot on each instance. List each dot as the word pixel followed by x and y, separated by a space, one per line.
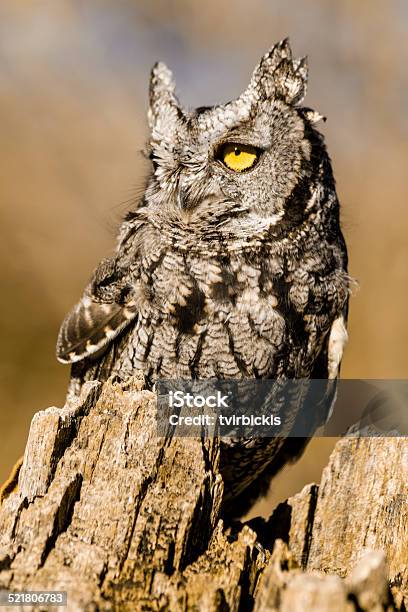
pixel 239 157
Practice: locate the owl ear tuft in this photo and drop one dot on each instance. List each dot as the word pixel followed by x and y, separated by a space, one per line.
pixel 290 79
pixel 162 85
pixel 278 75
pixel 164 108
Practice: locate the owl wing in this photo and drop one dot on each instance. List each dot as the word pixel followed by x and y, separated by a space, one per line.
pixel 327 370
pixel 106 308
pixel 321 396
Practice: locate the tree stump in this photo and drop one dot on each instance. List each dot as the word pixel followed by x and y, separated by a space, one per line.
pixel 122 519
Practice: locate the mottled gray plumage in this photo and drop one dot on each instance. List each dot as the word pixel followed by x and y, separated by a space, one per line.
pixel 224 273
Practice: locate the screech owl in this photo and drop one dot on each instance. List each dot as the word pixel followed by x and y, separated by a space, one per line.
pixel 233 265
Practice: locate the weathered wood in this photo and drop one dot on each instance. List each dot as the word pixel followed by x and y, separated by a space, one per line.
pixel 363 504
pixel 125 520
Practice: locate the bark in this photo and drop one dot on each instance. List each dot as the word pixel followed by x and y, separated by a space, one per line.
pixel 125 520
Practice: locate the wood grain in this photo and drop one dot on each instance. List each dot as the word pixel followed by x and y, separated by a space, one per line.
pixel 125 520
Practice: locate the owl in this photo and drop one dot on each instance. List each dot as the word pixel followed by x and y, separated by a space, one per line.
pixel 232 265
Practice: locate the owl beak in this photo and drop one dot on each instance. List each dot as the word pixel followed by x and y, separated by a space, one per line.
pixel 188 201
pixel 182 194
pixel 190 195
pixel 182 201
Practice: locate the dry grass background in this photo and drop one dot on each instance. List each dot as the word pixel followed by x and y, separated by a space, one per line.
pixel 73 91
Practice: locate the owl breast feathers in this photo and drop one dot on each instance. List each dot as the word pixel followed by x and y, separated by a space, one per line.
pixel 233 265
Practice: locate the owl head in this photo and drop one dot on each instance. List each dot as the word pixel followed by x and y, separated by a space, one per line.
pixel 250 165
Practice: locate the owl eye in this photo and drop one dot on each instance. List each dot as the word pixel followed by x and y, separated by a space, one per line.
pixel 238 157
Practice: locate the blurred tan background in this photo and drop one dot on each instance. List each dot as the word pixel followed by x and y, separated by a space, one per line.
pixel 73 94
